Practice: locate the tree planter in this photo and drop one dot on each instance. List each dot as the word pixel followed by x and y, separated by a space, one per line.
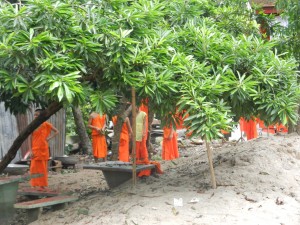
pixel 8 193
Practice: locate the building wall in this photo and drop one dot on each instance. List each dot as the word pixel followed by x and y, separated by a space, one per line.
pixel 8 131
pixel 263 2
pixel 11 125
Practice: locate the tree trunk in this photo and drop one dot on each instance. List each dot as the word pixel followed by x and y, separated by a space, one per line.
pixel 23 135
pixel 116 139
pixel 298 122
pixel 133 100
pixel 295 128
pixel 122 113
pixel 81 130
pixel 211 165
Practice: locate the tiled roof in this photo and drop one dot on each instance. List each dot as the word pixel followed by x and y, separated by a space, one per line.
pixel 263 2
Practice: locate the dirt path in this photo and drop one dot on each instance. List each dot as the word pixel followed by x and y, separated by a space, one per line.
pixel 258 183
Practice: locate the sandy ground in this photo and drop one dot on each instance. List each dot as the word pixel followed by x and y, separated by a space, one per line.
pixel 258 183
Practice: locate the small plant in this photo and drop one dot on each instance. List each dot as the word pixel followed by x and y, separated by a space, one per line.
pixel 68 149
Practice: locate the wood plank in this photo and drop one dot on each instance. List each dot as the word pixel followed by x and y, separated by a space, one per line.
pixel 116 172
pixel 40 193
pixel 118 168
pixel 45 202
pixel 8 180
pixel 12 179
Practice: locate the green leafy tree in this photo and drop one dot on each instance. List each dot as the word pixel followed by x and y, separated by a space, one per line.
pixel 289 36
pixel 47 59
pixel 204 57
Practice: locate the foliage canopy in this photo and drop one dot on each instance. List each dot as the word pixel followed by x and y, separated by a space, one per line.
pixel 204 57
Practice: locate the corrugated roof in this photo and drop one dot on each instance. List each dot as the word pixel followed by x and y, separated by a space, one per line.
pixel 263 2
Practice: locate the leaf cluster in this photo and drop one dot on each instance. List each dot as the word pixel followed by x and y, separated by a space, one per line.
pixel 205 58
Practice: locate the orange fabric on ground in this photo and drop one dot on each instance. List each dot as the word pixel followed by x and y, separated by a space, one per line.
pixel 124 142
pixel 167 147
pixel 40 151
pixel 249 127
pixel 148 172
pixel 98 140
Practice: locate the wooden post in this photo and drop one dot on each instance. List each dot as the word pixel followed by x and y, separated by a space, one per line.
pixel 133 135
pixel 211 166
pixel 241 138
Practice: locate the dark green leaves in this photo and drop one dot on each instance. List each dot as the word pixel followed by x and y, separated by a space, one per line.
pixel 103 101
pixel 206 55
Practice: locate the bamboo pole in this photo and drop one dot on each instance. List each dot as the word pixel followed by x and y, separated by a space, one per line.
pixel 241 138
pixel 211 166
pixel 133 135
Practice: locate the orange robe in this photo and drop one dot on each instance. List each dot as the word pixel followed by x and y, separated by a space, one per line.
pixel 180 120
pixel 40 151
pixel 99 140
pixel 226 135
pixel 141 149
pixel 249 127
pixel 175 145
pixel 224 132
pixel 261 123
pixel 144 108
pixel 270 129
pixel 188 133
pixel 281 128
pixel 168 148
pixel 124 141
pixel 242 122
